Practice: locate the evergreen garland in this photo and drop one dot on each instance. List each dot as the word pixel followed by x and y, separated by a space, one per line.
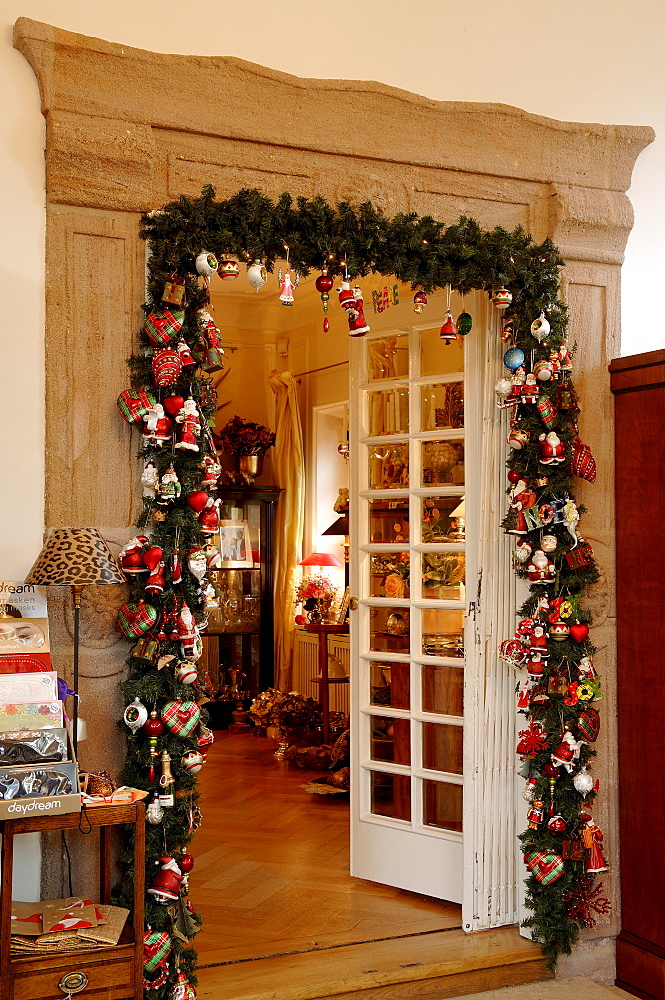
pixel 427 254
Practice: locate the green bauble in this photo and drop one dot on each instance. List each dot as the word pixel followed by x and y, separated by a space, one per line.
pixel 464 324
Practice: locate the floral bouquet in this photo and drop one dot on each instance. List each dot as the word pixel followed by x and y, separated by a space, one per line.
pixel 394 569
pixel 318 587
pixel 243 437
pixel 286 710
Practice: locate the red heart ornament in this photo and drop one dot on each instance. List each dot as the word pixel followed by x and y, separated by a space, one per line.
pixel 579 632
pixel 197 501
pixel 152 556
pixel 173 405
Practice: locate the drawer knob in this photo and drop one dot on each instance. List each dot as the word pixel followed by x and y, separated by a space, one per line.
pixel 73 982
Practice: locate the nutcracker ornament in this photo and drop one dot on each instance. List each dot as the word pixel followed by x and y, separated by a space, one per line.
pixel 184 353
pixel 190 426
pixel 211 343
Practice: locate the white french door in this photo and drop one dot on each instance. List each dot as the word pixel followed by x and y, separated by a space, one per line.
pixel 432 802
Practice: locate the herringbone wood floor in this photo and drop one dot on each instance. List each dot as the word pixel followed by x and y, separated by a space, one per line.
pixel 272 865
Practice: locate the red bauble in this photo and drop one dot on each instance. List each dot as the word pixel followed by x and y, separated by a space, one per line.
pixel 173 405
pixel 550 770
pixel 186 863
pixel 152 556
pixel 514 476
pixel 579 632
pixel 154 726
pixel 197 501
pixel 323 283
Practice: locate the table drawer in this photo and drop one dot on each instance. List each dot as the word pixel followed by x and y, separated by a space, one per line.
pixel 108 979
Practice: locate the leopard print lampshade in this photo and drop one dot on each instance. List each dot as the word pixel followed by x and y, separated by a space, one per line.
pixel 74 556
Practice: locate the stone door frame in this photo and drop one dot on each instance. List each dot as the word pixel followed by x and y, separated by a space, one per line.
pixel 129 130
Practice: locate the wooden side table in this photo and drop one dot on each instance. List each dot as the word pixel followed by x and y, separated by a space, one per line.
pixel 323 630
pixel 109 974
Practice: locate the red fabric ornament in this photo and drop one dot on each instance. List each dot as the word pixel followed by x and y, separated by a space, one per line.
pixel 584 464
pixel 588 723
pixel 545 866
pixel 135 619
pixel 133 404
pixel 161 327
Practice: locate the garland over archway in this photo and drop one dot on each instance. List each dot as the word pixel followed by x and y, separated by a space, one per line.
pixel 166 610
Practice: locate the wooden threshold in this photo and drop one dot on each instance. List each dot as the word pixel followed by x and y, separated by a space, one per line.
pixel 428 966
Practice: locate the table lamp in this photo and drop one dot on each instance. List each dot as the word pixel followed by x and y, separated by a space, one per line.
pixel 321 559
pixel 457 531
pixel 341 527
pixel 76 558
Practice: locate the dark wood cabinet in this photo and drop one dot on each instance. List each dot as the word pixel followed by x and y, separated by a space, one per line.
pixel 638 384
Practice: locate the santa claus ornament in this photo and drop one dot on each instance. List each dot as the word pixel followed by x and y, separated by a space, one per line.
pixel 165 886
pixel 189 426
pixel 351 300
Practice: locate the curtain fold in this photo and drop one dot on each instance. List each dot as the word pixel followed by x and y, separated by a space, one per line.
pixel 289 467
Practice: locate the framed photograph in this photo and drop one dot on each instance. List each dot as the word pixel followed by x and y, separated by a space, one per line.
pixel 234 546
pixel 344 608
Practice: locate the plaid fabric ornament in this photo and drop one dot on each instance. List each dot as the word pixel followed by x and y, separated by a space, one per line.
pixel 156 949
pixel 135 619
pixel 588 723
pixel 547 412
pixel 133 404
pixel 161 327
pixel 584 464
pixel 181 717
pixel 545 866
pixel 580 556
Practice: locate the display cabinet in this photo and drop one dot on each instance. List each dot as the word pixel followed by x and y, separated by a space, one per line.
pixel 239 640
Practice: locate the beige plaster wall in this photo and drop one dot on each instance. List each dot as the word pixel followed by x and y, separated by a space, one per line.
pixel 584 208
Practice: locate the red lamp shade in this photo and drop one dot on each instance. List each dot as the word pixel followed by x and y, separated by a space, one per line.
pixel 321 559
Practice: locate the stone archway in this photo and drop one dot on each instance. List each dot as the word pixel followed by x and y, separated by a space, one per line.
pixel 128 130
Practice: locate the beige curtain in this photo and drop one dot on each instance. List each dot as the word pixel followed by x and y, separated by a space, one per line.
pixel 289 467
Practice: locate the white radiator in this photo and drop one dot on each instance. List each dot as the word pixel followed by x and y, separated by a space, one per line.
pixel 306 667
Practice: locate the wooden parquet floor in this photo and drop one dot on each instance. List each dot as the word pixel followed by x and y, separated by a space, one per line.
pixel 272 865
pixel 284 920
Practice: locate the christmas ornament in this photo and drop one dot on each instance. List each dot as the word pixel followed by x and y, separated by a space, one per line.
pixel 185 862
pixel 157 427
pixel 543 370
pixel 592 838
pixel 583 464
pixel 540 328
pixel 501 299
pixel 548 543
pixel 552 449
pixel 448 332
pixel 559 631
pixel 522 551
pixel 518 438
pixel 136 715
pixel 174 291
pixel 557 824
pixel 134 405
pixel 161 327
pixel 209 517
pixel 147 651
pixel 419 301
pixel 152 556
pixel 588 724
pixel 154 726
pixel 352 302
pixel 166 367
pixel 206 265
pixel 206 737
pixel 579 632
pixel 536 813
pixel 154 753
pixel 567 751
pixel 211 343
pixel 184 353
pixel 197 562
pixel 181 717
pixel 507 332
pixel 185 673
pixel 197 500
pixel 135 619
pixel 545 866
pixel 580 557
pixel 286 289
pixel 228 269
pixel 257 274
pixel 464 324
pixel 529 391
pixel 585 901
pixel 149 478
pixel 166 883
pixel 157 947
pixel 583 782
pixel 190 426
pixel 131 556
pixel 173 405
pixel 166 794
pixel 155 582
pixel 513 358
pixel 324 284
pixel 182 989
pixel 193 761
pixel 547 412
pixel 533 741
pixel 529 789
